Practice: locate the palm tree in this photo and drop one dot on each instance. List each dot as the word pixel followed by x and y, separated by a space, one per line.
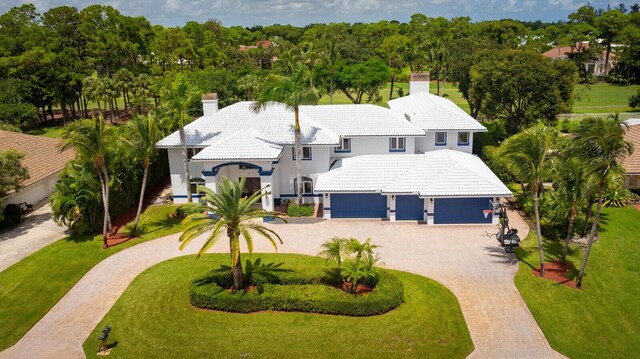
pixel 144 135
pixel 177 95
pixel 572 184
pixel 330 56
pixel 525 155
pixel 311 57
pixel 602 146
pixel 92 140
pixel 335 250
pixel 234 214
pixel 292 91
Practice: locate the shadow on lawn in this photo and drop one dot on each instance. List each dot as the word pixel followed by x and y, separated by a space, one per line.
pixel 153 226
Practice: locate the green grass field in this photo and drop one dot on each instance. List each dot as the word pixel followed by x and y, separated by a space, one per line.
pixel 51 132
pixel 153 319
pixel 31 287
pixel 603 98
pixel 603 319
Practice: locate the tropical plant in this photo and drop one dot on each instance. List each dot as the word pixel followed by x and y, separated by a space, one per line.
pixel 92 139
pixel 12 172
pixel 526 156
pixel 292 91
pixel 602 146
pixel 335 250
pixel 144 133
pixel 359 266
pixel 177 95
pixel 235 215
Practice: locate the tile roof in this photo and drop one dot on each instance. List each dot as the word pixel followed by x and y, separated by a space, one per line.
pixel 442 173
pixel 631 164
pixel 434 113
pixel 42 154
pixel 275 122
pixel 247 144
pixel 361 120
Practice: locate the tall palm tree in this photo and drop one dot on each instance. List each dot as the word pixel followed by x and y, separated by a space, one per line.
pixel 602 146
pixel 292 91
pixel 92 140
pixel 572 183
pixel 236 216
pixel 330 57
pixel 311 57
pixel 145 133
pixel 177 95
pixel 526 156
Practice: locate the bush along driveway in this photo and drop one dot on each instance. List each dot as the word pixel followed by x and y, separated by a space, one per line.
pixel 463 258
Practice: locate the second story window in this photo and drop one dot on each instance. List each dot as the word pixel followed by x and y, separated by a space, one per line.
pixel 306 153
pixel 345 145
pixel 192 152
pixel 441 138
pixel 463 138
pixel 397 144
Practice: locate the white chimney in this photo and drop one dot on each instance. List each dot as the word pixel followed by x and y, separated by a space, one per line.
pixel 418 83
pixel 209 103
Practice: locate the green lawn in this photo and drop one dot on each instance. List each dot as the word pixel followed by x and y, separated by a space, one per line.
pixel 153 318
pixel 603 319
pixel 51 132
pixel 604 98
pixel 31 287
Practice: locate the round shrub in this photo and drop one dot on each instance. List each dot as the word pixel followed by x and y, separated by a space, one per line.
pixel 14 212
pixel 297 292
pixel 306 210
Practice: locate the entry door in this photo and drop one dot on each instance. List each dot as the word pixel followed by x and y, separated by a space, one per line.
pixel 251 186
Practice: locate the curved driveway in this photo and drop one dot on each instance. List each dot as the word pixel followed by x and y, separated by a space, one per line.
pixel 463 258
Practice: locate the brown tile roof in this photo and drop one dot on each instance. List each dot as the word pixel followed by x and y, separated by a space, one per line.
pixel 632 163
pixel 42 155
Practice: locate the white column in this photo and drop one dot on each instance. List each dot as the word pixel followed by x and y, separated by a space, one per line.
pixel 326 206
pixel 267 200
pixel 391 207
pixel 495 219
pixel 429 210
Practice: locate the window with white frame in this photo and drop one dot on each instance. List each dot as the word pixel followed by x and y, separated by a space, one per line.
pixel 306 153
pixel 441 138
pixel 397 144
pixel 345 145
pixel 463 138
pixel 307 185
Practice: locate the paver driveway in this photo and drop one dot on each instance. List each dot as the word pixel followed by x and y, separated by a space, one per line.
pixel 476 270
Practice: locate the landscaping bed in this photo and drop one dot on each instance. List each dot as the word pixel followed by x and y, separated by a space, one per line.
pixel 317 291
pixel 154 318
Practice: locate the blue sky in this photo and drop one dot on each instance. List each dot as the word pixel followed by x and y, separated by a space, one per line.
pixel 302 12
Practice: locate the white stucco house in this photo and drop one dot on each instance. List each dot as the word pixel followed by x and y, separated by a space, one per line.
pixel 411 161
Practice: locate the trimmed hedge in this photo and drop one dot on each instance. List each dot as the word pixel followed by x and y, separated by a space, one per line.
pixel 295 291
pixel 306 210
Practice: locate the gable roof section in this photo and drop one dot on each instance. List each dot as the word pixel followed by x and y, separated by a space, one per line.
pixel 275 122
pixel 631 164
pixel 42 155
pixel 434 113
pixel 241 145
pixel 442 173
pixel 361 120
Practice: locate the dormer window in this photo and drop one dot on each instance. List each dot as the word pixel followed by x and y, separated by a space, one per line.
pixel 441 138
pixel 397 144
pixel 345 145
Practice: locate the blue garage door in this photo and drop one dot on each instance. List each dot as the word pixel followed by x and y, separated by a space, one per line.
pixel 364 205
pixel 461 210
pixel 409 208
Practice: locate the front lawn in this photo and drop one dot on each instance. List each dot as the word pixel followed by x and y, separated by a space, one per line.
pixel 31 287
pixel 603 319
pixel 153 318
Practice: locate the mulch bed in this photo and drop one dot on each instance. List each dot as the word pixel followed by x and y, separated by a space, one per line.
pixel 556 272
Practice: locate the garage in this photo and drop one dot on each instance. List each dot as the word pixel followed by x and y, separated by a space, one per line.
pixel 461 210
pixel 409 208
pixel 358 205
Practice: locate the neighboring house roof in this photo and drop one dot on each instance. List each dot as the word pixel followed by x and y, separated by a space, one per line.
pixel 632 163
pixel 561 52
pixel 441 173
pixel 361 120
pixel 241 145
pixel 42 155
pixel 275 123
pixel 434 113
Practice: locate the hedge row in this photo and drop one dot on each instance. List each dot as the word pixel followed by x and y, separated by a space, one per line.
pixel 306 210
pixel 297 292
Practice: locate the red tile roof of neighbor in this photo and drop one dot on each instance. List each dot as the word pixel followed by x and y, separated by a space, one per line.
pixel 42 155
pixel 632 163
